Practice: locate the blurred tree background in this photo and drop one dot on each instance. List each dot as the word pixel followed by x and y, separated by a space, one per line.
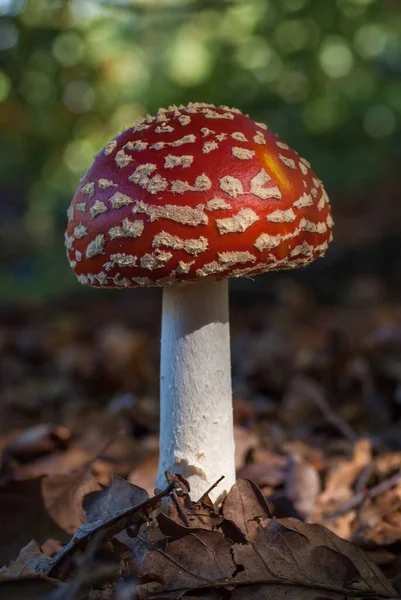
pixel 324 74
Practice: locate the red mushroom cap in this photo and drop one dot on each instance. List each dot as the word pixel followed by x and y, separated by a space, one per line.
pixel 195 192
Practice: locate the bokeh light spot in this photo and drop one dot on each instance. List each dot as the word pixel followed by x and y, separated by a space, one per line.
pixel 350 9
pixel 262 59
pixel 102 43
pixel 335 57
pixel 129 73
pixel 84 12
pixel 253 54
pixel 11 8
pixel 68 48
pixel 238 23
pixel 370 40
pixel 78 155
pixel 190 61
pixel 125 115
pixel 79 96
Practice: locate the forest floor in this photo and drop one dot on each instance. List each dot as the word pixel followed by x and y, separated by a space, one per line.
pixel 317 408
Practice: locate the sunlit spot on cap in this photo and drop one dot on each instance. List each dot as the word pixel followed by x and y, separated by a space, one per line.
pixel 276 169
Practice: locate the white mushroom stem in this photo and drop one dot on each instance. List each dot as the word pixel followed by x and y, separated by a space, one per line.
pixel 196 419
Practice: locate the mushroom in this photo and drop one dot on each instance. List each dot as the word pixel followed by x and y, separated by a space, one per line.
pixel 184 201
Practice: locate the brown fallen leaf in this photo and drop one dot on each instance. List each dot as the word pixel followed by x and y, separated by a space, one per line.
pixel 105 530
pixel 246 508
pixel 281 555
pixel 31 561
pixel 265 468
pixel 342 524
pixel 387 463
pixel 379 520
pixel 371 578
pixel 302 486
pixel 342 475
pixel 278 554
pixel 199 559
pixel 38 440
pixel 245 440
pixel 144 474
pixel 106 502
pixel 39 509
pixel 56 463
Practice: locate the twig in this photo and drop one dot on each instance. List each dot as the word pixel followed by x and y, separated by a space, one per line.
pixel 70 592
pixel 315 392
pixel 105 447
pixel 363 479
pixel 56 499
pixel 360 497
pixel 109 528
pixel 385 485
pixel 179 509
pixel 210 489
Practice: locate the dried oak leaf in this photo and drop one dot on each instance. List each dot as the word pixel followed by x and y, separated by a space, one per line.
pixel 245 508
pixel 199 559
pixel 109 501
pixel 302 485
pixel 371 578
pixel 282 555
pixel 378 521
pixel 106 502
pixel 30 562
pixel 38 440
pixel 114 519
pixel 265 468
pixel 341 477
pixel 284 559
pixel 280 560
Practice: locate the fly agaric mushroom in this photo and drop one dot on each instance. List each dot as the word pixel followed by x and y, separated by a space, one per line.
pixel 197 194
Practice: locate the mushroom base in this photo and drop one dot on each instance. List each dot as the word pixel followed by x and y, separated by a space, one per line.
pixel 196 415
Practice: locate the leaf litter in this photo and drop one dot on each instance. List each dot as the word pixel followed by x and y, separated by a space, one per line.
pixel 256 549
pixel 317 429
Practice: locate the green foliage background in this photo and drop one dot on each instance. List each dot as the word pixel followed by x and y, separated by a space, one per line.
pixel 324 74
